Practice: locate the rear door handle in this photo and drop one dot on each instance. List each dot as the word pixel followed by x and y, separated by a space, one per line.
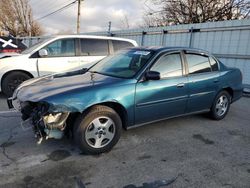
pixel 73 61
pixel 180 85
pixel 216 81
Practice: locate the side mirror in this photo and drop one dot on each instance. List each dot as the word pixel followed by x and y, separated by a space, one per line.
pixel 43 53
pixel 152 75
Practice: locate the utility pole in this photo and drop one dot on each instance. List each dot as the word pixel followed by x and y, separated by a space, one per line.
pixel 78 16
pixel 109 28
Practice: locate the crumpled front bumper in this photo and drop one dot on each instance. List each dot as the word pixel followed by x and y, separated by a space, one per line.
pixel 37 116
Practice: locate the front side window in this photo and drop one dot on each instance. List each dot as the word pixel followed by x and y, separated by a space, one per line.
pixel 94 47
pixel 35 46
pixel 198 63
pixel 118 45
pixel 168 66
pixel 61 48
pixel 124 64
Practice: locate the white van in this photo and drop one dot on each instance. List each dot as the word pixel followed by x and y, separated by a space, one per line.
pixel 57 54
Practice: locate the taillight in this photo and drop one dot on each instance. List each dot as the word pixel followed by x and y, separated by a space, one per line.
pixel 11 50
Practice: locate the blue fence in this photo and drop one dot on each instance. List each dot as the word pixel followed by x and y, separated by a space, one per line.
pixel 228 40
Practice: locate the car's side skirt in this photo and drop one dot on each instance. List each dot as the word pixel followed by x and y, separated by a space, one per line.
pixel 186 114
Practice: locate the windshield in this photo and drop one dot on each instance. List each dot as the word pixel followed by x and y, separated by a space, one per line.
pixel 124 64
pixel 36 45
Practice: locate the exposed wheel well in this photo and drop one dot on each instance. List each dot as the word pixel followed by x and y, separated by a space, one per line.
pixel 115 106
pixel 230 91
pixel 7 73
pixel 119 109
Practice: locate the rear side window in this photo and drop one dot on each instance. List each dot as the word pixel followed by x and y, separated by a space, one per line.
pixel 214 64
pixel 118 45
pixel 94 47
pixel 198 64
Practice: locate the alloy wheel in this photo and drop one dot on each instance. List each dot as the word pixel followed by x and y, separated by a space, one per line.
pixel 100 132
pixel 221 105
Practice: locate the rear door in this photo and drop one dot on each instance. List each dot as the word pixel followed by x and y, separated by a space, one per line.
pixel 159 99
pixel 61 57
pixel 92 50
pixel 203 81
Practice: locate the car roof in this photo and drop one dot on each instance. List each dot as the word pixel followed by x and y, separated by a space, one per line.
pixel 94 37
pixel 162 48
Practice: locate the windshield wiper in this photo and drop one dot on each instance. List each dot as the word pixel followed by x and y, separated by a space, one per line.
pixel 71 73
pixel 93 72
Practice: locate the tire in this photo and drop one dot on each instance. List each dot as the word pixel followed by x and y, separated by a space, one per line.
pixel 98 130
pixel 220 105
pixel 12 81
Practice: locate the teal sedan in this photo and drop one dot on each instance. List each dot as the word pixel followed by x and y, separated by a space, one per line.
pixel 134 87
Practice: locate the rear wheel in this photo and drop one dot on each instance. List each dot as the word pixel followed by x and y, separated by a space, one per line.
pixel 98 130
pixel 221 105
pixel 12 81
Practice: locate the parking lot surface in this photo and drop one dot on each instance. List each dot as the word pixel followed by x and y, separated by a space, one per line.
pixel 191 151
pixel 3 103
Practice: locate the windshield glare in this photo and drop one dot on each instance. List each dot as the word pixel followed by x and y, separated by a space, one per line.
pixel 36 45
pixel 124 64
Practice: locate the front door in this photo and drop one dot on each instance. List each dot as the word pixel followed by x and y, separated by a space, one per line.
pixel 167 97
pixel 61 57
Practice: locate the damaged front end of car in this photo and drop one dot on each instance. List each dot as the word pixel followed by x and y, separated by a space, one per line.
pixel 45 123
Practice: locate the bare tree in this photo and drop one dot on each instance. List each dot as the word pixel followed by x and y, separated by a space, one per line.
pixel 125 22
pixel 16 17
pixel 196 11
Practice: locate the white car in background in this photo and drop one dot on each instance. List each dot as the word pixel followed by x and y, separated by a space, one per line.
pixel 5 55
pixel 57 54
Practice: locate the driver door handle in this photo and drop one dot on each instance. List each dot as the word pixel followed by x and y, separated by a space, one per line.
pixel 180 85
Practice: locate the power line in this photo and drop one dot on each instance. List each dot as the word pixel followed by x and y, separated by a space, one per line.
pixel 49 6
pixel 58 10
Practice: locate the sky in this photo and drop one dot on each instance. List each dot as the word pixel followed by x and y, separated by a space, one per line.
pixel 95 15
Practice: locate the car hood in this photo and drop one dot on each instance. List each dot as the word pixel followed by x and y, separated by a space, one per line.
pixel 11 58
pixel 48 86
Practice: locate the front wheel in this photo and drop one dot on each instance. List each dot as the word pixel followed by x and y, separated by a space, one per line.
pixel 97 131
pixel 220 105
pixel 12 81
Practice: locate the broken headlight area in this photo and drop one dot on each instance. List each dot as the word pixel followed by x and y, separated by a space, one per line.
pixel 45 124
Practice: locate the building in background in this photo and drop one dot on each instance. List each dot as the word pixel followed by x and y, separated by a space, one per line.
pixel 9 44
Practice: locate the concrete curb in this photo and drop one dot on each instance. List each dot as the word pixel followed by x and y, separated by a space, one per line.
pixel 246 90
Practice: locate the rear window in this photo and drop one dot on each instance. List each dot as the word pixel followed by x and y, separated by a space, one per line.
pixel 94 47
pixel 118 45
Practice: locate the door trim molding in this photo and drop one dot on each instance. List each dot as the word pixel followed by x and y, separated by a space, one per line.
pixel 162 101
